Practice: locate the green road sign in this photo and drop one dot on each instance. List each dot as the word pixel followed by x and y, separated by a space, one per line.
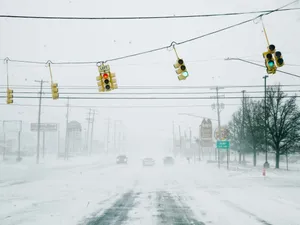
pixel 223 144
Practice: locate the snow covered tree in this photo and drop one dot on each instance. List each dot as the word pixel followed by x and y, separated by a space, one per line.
pixel 235 131
pixel 254 126
pixel 283 122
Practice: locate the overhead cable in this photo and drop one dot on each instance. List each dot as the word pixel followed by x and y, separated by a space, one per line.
pixel 159 48
pixel 142 17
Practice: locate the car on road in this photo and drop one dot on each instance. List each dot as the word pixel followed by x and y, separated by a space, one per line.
pixel 122 159
pixel 169 160
pixel 148 162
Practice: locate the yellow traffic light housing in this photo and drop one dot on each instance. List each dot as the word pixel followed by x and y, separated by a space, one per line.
pixel 100 83
pixel 54 89
pixel 269 60
pixel 106 80
pixel 9 97
pixel 113 80
pixel 181 69
pixel 278 59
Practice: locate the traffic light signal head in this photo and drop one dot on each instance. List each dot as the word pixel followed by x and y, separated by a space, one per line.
pixel 269 60
pixel 55 94
pixel 113 80
pixel 106 81
pixel 181 69
pixel 271 49
pixel 9 97
pixel 279 59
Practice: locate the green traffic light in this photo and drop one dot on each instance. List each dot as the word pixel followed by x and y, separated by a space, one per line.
pixel 271 63
pixel 185 73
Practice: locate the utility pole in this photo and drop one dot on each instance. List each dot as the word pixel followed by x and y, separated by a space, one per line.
pixel 107 137
pixel 115 131
pixel 120 141
pixel 58 140
pixel 173 128
pixel 39 120
pixel 67 132
pixel 219 119
pixel 180 139
pixel 88 131
pixel 242 147
pixel 266 164
pixel 92 132
pixel 19 142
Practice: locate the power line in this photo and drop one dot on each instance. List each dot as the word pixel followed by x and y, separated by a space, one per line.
pixel 141 87
pixel 256 64
pixel 142 17
pixel 164 47
pixel 116 106
pixel 146 93
pixel 143 98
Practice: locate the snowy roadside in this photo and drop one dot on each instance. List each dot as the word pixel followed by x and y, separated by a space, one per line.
pixel 28 170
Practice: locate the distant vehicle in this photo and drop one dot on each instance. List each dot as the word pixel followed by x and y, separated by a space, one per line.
pixel 169 160
pixel 122 159
pixel 148 162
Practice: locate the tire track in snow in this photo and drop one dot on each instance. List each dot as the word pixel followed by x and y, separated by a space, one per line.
pixel 172 211
pixel 117 213
pixel 231 204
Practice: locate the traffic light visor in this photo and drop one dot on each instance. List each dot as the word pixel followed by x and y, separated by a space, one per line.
pixel 271 48
pixel 179 63
pixel 280 61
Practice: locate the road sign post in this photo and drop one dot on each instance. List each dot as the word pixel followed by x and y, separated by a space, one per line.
pixel 224 145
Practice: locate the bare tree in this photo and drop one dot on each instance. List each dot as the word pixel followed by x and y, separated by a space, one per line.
pixel 254 126
pixel 283 122
pixel 235 131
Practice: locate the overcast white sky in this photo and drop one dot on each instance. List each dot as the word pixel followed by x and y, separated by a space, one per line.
pixel 42 40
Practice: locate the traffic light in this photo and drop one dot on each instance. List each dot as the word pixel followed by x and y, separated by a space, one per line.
pixel 54 89
pixel 100 82
pixel 113 80
pixel 278 59
pixel 181 69
pixel 106 82
pixel 269 60
pixel 9 97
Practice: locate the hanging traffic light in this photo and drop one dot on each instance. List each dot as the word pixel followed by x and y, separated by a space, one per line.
pixel 100 82
pixel 113 80
pixel 278 59
pixel 269 60
pixel 54 90
pixel 9 97
pixel 181 69
pixel 106 81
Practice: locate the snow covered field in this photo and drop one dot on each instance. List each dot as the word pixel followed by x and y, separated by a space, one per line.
pixel 101 192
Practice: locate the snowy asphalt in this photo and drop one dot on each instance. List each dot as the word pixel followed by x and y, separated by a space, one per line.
pixel 198 194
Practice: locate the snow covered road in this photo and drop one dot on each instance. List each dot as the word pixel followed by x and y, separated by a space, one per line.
pixel 130 194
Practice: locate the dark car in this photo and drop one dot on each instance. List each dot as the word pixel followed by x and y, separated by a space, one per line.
pixel 148 162
pixel 122 159
pixel 169 160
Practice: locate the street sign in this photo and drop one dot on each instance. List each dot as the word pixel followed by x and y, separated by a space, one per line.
pixel 224 132
pixel 12 125
pixel 104 68
pixel 206 130
pixel 223 144
pixel 43 127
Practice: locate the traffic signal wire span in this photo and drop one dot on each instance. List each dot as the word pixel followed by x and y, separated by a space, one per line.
pixel 164 47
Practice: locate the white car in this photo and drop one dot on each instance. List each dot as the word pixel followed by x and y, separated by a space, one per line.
pixel 148 162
